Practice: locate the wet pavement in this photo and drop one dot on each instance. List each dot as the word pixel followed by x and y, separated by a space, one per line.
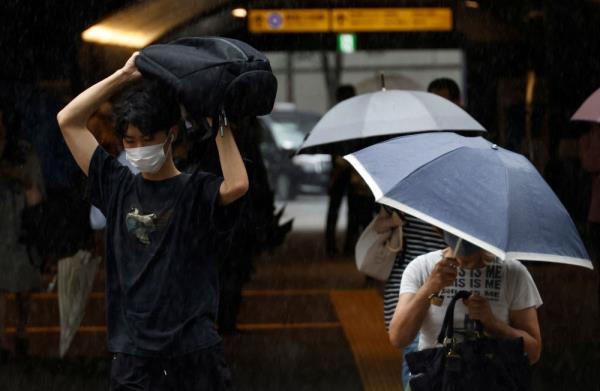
pixel 312 323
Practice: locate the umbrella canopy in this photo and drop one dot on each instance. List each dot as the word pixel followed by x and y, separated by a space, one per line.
pixel 369 118
pixel 589 110
pixel 475 190
pixel 75 281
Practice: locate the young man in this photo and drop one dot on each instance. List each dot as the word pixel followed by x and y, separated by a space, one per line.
pixel 162 237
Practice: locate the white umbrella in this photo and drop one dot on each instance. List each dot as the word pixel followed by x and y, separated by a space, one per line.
pixel 75 280
pixel 370 118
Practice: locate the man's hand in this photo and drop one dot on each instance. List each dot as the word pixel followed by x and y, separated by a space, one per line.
pixel 479 309
pixel 444 273
pixel 130 69
pixel 73 118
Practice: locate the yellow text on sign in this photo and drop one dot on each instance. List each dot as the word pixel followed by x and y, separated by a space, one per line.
pixel 289 21
pixel 391 19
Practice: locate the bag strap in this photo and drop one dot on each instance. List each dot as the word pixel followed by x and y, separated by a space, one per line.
pixel 398 231
pixel 447 331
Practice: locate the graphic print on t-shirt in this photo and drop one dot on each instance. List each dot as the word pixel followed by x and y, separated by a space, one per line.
pixel 142 225
pixel 487 282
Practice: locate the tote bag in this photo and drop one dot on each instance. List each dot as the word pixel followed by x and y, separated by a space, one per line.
pixel 376 253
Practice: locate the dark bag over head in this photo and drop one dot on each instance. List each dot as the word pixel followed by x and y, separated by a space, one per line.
pixel 213 76
pixel 478 363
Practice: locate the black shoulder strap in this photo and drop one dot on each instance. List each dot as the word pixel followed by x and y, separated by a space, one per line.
pixel 447 330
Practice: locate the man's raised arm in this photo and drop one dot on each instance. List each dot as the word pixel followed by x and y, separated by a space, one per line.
pixel 73 118
pixel 235 178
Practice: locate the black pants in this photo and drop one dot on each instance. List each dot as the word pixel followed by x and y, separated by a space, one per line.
pixel 335 202
pixel 361 210
pixel 204 370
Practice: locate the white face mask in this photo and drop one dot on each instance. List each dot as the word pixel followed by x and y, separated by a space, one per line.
pixel 147 159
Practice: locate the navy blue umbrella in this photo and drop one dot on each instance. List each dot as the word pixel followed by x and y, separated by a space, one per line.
pixel 475 190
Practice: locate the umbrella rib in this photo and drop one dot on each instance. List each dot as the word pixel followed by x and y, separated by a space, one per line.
pixel 429 162
pixel 426 109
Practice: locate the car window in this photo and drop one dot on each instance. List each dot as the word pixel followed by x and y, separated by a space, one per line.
pixel 289 130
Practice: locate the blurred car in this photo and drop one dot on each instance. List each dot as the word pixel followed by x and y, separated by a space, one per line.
pixel 282 133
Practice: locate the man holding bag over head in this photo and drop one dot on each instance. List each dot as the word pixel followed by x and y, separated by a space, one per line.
pixel 163 231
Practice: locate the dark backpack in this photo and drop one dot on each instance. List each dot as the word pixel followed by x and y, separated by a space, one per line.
pixel 213 76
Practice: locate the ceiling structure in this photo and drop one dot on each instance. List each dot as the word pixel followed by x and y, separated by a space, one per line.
pixel 148 21
pixel 145 22
pixel 42 33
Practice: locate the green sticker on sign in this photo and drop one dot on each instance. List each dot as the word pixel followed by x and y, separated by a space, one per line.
pixel 346 43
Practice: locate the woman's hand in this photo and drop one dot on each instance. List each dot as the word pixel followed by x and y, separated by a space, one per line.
pixel 522 324
pixel 444 273
pixel 130 69
pixel 479 309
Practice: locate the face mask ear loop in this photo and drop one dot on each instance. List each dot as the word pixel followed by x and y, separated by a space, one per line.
pixel 170 139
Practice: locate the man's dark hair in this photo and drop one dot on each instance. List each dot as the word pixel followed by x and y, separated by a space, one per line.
pixel 344 92
pixel 149 105
pixel 444 83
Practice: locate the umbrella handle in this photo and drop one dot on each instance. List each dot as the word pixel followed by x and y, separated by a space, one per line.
pixel 437 299
pixel 457 247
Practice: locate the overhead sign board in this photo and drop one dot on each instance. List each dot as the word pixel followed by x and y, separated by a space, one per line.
pixel 391 19
pixel 347 20
pixel 289 21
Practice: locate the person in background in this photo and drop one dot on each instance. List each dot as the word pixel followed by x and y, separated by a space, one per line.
pixel 21 189
pixel 361 209
pixel 256 228
pixel 589 153
pixel 446 88
pixel 339 183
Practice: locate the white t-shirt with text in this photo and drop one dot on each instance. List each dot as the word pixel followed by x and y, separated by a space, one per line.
pixel 507 285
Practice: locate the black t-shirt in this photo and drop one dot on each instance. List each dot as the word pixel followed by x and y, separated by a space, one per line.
pixel 162 239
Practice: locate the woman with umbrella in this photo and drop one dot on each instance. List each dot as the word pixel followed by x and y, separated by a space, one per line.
pixel 497 203
pixel 504 297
